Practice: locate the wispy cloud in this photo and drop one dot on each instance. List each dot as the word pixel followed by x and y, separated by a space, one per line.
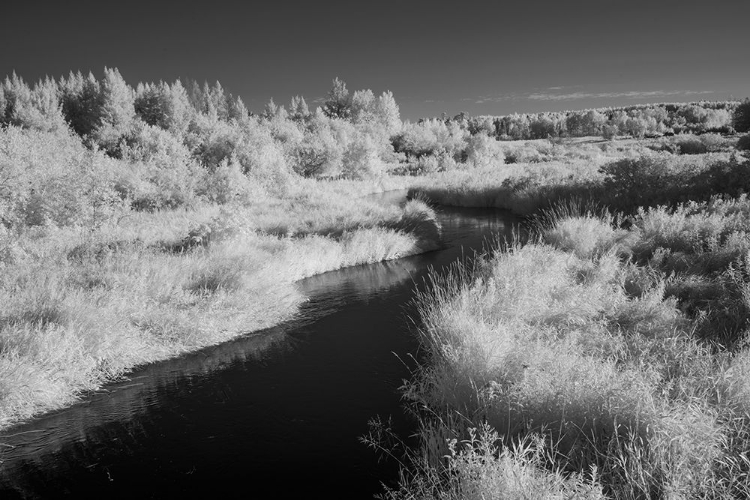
pixel 538 96
pixel 546 95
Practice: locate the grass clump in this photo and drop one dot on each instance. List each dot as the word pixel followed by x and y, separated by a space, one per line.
pixel 579 338
pixel 85 304
pixel 622 175
pixel 481 467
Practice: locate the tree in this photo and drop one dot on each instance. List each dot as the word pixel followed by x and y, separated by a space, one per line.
pixel 164 106
pixel 117 99
pixel 149 104
pixel 270 109
pixel 542 127
pixel 3 103
pixel 592 122
pixel 216 100
pixel 298 109
pixel 636 127
pixel 195 96
pixel 361 159
pixel 37 108
pixel 81 103
pixel 387 113
pixel 14 90
pixel 741 117
pixel 338 104
pixel 574 124
pixel 363 106
pixel 43 110
pixel 179 110
pixel 236 109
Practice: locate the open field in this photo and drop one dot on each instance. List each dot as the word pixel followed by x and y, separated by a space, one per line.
pixel 605 357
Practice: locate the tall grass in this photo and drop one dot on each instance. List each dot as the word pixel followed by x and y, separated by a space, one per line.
pixel 578 339
pixel 623 177
pixel 82 306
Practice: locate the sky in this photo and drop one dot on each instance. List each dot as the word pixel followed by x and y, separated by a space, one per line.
pixel 493 57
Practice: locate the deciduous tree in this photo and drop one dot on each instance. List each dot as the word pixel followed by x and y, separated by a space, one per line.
pixel 741 117
pixel 387 113
pixel 298 109
pixel 81 103
pixel 338 104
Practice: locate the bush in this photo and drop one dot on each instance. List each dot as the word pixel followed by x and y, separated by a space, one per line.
pixel 226 183
pixel 529 152
pixel 663 179
pixel 430 136
pixel 361 160
pixel 741 118
pixel 319 154
pixel 609 132
pixel 161 172
pixel 483 150
pixel 51 178
pixel 726 177
pixel 690 145
pixel 743 144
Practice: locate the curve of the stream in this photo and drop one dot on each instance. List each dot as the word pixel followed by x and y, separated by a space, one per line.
pixel 277 414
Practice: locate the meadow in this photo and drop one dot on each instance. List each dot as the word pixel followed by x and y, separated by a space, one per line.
pixel 604 356
pixel 129 237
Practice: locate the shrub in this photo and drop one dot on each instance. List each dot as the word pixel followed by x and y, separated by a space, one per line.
pixel 586 236
pixel 528 152
pixel 741 118
pixel 429 136
pixel 226 183
pixel 725 177
pixel 743 143
pixel 319 154
pixel 609 131
pixel 663 179
pixel 51 178
pixel 361 160
pixel 690 145
pixel 161 172
pixel 483 150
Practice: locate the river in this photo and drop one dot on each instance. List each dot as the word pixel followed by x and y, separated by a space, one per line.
pixel 275 414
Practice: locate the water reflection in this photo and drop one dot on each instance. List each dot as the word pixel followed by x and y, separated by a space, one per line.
pixel 285 406
pixel 127 399
pixel 359 282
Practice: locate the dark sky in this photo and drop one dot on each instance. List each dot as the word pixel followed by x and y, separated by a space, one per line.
pixel 480 57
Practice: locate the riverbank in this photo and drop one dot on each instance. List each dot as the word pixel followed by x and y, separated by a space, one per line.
pixel 317 378
pixel 84 307
pixel 620 174
pixel 608 356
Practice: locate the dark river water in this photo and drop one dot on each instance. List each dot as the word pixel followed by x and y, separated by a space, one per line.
pixel 277 414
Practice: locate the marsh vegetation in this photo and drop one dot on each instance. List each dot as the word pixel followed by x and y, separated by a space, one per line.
pixel 605 356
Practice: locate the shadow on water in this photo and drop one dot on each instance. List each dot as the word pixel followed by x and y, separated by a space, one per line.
pixel 279 411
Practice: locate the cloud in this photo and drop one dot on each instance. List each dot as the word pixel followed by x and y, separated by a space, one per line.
pixel 545 95
pixel 538 96
pixel 497 98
